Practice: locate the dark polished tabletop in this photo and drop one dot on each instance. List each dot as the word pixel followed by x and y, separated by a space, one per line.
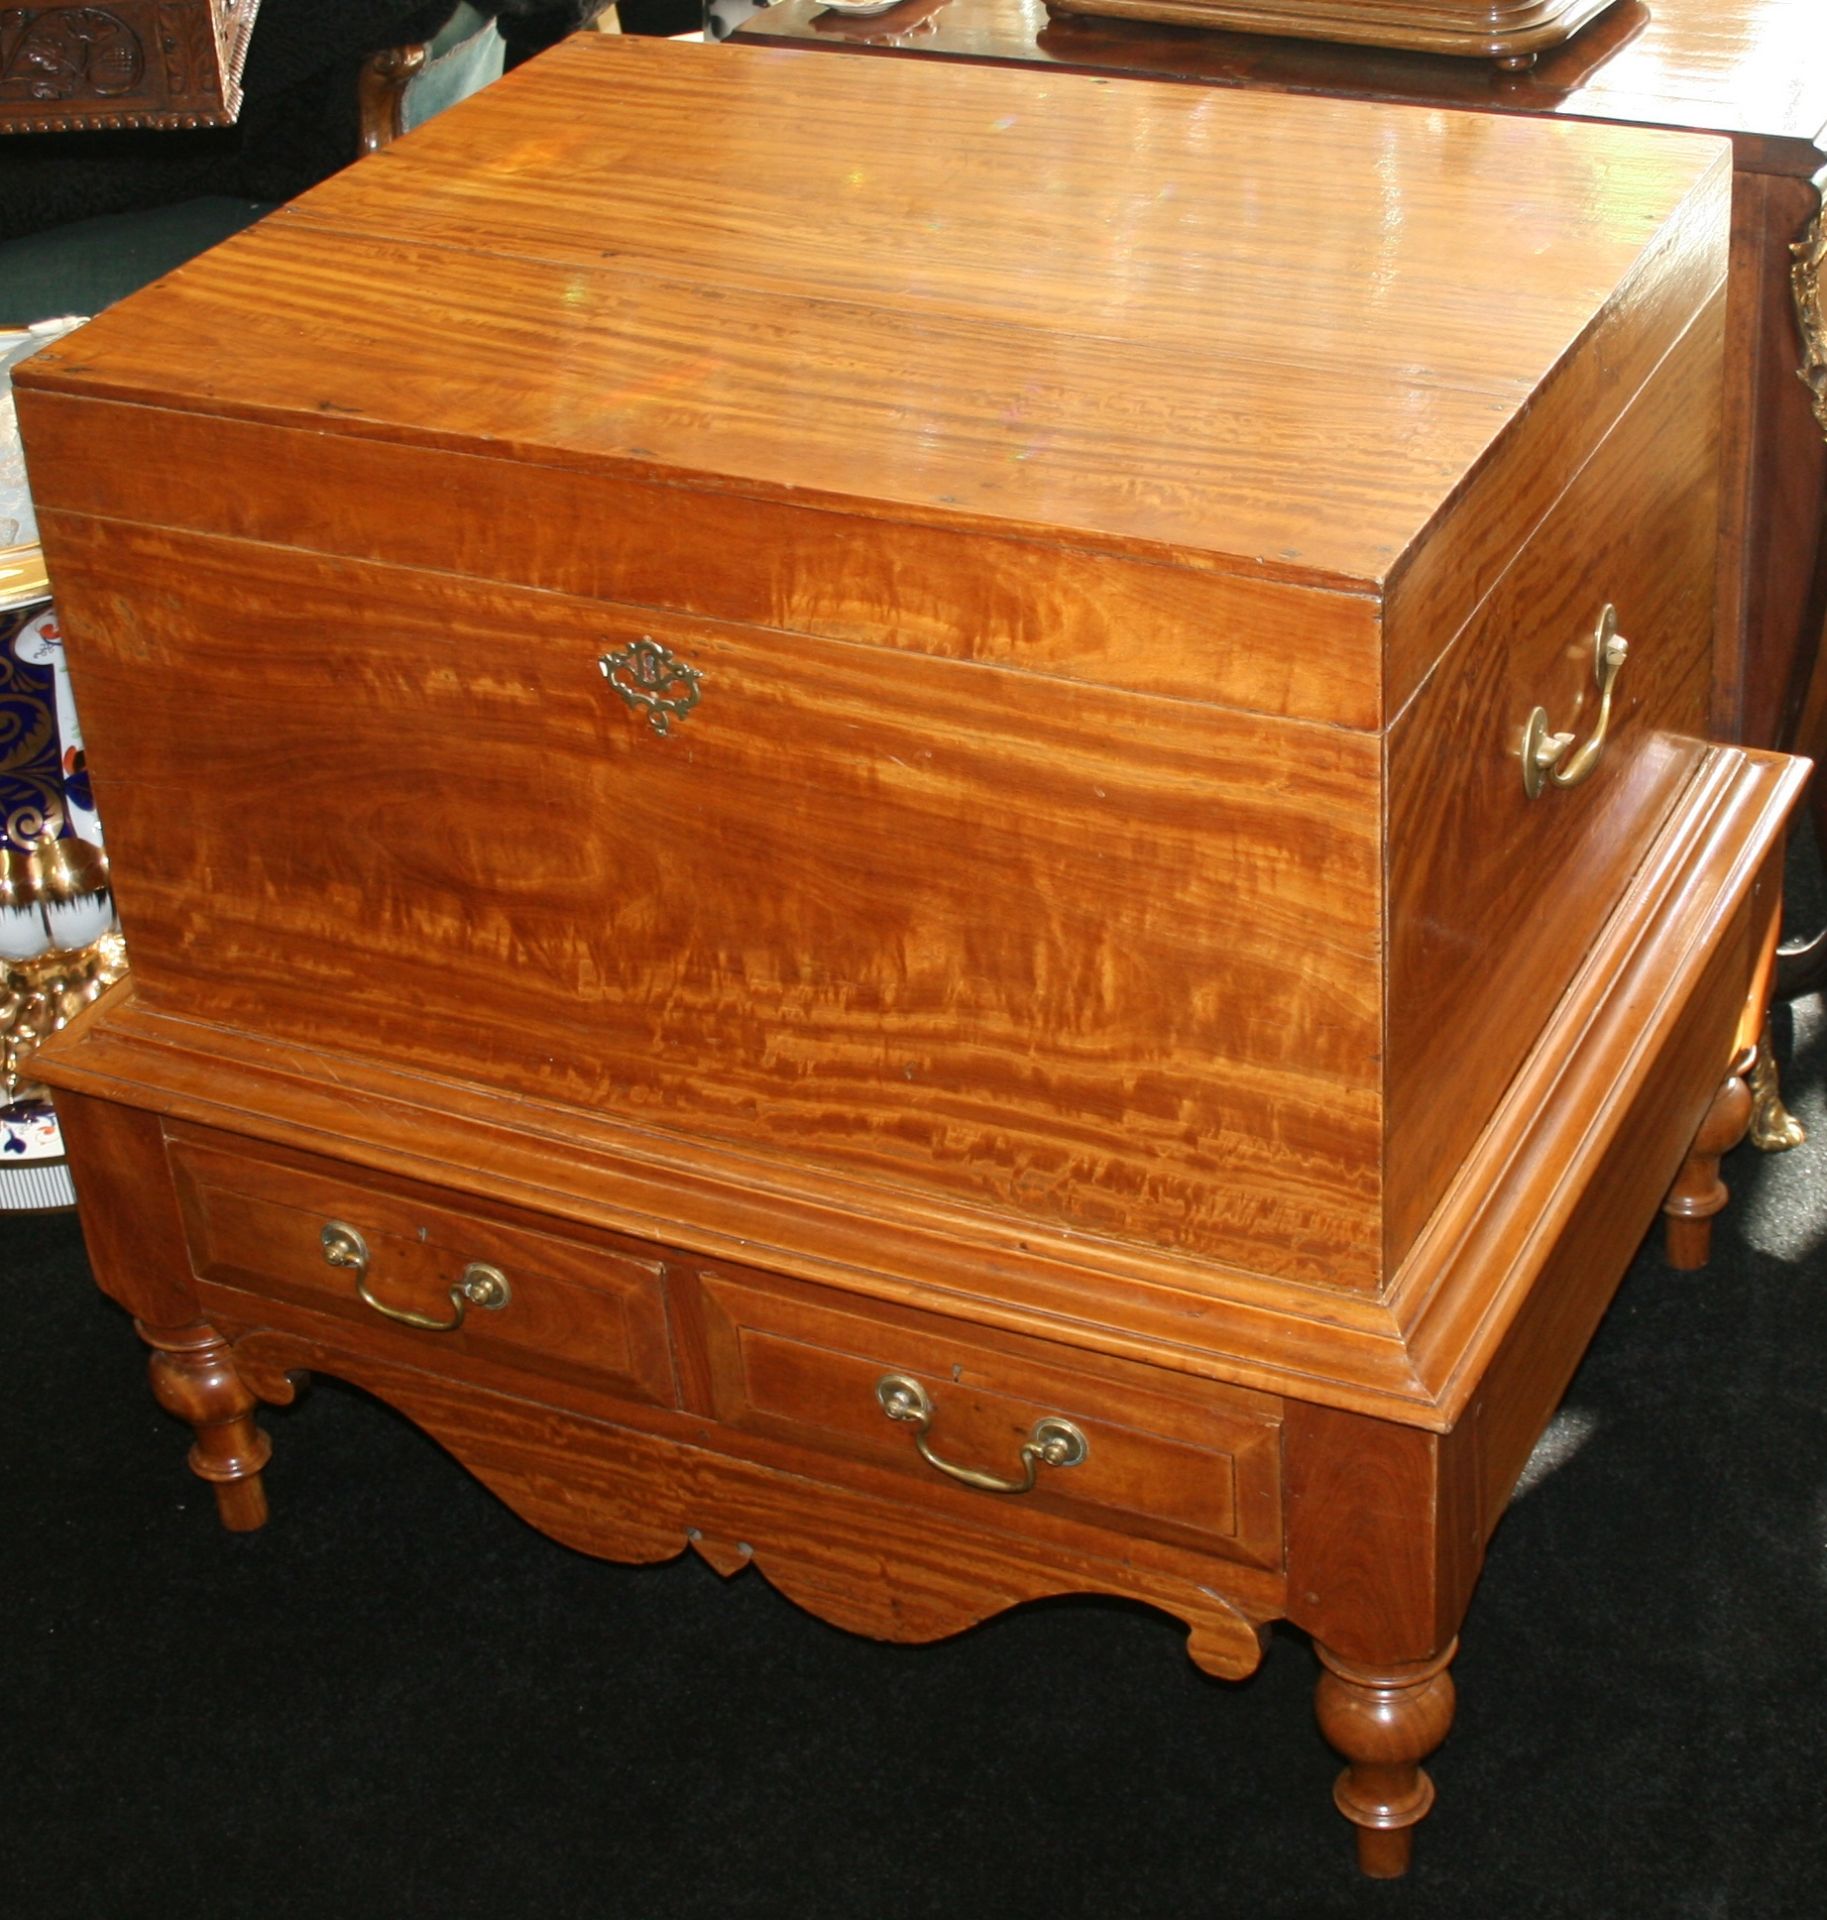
pixel 1753 69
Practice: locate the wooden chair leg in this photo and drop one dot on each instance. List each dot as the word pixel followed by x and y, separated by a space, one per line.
pixel 1385 1721
pixel 1698 1193
pixel 194 1377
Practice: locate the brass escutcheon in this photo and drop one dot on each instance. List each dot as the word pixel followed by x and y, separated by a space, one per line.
pixel 1053 1442
pixel 480 1285
pixel 653 681
pixel 1542 750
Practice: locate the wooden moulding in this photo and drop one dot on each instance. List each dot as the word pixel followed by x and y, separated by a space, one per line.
pixel 1664 983
pixel 1512 32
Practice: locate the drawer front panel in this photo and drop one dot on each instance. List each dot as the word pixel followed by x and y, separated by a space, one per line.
pixel 1495 898
pixel 585 1314
pixel 1100 960
pixel 1196 1465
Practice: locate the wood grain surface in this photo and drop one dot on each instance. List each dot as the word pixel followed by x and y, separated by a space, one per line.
pixel 1754 71
pixel 1165 375
pixel 1414 1357
pixel 1477 869
pixel 1191 1463
pixel 949 926
pixel 576 1309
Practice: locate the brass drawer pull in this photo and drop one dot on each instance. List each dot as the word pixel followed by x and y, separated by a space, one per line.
pixel 481 1285
pixel 1053 1443
pixel 1542 749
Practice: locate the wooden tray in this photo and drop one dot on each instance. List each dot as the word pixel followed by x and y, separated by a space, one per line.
pixel 1511 32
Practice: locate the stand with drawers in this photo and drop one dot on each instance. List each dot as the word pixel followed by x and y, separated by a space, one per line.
pixel 1018 891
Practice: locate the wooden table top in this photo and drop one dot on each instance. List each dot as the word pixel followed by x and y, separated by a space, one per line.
pixel 1752 69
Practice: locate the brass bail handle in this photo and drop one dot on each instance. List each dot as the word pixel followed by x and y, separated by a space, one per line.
pixel 1053 1442
pixel 1542 750
pixel 480 1286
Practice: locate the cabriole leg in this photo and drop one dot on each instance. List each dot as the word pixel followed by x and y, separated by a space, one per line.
pixel 1385 1721
pixel 194 1377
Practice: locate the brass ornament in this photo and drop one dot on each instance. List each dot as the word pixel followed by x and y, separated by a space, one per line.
pixel 1810 253
pixel 653 681
pixel 40 996
pixel 1774 1129
pixel 1542 751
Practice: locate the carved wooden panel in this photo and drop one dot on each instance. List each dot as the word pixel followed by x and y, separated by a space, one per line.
pixel 135 63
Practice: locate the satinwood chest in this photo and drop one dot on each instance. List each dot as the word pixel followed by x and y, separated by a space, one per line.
pixel 959 818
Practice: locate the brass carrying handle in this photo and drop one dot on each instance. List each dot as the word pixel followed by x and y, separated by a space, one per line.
pixel 480 1285
pixel 1052 1443
pixel 1541 750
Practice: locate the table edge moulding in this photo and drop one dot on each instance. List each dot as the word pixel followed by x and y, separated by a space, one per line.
pixel 942 1106
pixel 1512 33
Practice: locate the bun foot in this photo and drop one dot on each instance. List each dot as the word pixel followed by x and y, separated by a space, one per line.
pixel 1385 1721
pixel 194 1378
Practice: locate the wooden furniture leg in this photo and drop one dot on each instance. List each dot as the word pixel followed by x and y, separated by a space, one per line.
pixel 1699 1193
pixel 194 1377
pixel 1385 1722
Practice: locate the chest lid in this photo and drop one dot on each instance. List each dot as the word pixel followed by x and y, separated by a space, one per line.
pixel 1281 348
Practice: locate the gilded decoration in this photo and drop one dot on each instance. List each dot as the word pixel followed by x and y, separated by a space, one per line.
pixel 58 949
pixel 1810 260
pixel 38 997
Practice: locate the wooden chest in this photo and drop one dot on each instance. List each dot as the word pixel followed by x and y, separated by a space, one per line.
pixel 135 63
pixel 817 779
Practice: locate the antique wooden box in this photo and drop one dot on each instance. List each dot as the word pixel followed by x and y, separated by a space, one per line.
pixel 892 818
pixel 1512 32
pixel 134 63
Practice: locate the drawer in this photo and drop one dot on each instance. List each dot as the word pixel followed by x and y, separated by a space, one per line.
pixel 1190 1463
pixel 565 1309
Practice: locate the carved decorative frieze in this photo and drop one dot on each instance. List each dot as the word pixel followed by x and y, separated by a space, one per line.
pixel 133 63
pixel 69 53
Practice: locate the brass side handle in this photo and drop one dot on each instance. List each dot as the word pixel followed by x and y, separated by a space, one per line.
pixel 1542 750
pixel 1053 1442
pixel 480 1285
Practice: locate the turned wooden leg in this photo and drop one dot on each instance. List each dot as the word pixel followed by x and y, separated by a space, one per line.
pixel 1385 1721
pixel 1698 1192
pixel 194 1377
pixel 1774 1129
